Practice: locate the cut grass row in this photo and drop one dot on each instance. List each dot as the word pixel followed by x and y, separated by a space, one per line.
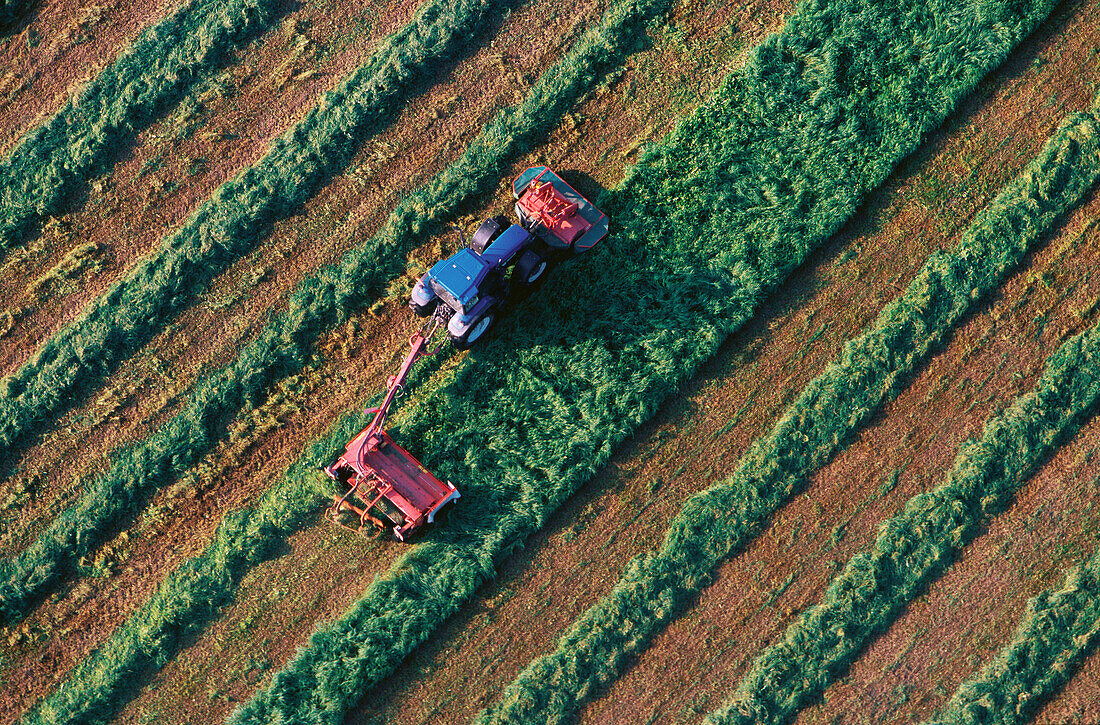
pixel 54 161
pixel 225 227
pixel 870 371
pixel 707 222
pixel 921 541
pixel 238 214
pixel 191 594
pixel 1059 628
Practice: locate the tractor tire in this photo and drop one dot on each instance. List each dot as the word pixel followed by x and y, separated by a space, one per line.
pixel 487 233
pixel 423 310
pixel 531 267
pixel 476 332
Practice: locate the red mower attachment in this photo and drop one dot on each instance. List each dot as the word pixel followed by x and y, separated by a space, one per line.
pixel 387 486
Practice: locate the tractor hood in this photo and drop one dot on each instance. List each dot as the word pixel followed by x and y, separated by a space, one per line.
pixel 457 279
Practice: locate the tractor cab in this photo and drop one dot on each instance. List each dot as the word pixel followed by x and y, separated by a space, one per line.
pixel 465 290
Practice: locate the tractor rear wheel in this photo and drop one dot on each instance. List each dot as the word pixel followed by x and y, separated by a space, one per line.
pixel 487 233
pixel 530 267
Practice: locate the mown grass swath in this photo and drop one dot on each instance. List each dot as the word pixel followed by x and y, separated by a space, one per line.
pixel 918 543
pixel 224 227
pixel 191 593
pixel 55 160
pixel 1058 630
pixel 231 222
pixel 718 213
pixel 871 369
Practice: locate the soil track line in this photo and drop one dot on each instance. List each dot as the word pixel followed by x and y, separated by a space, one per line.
pixel 515 392
pixel 691 444
pixel 62 46
pixel 553 91
pixel 224 124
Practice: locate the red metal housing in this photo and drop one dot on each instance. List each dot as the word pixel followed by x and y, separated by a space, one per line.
pixel 383 477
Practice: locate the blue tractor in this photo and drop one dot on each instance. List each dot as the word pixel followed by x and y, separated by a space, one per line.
pixel 466 291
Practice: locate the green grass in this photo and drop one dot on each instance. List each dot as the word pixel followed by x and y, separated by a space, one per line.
pixel 921 541
pixel 191 594
pixel 827 412
pixel 1058 629
pixel 230 223
pixel 226 226
pixel 707 222
pixel 53 162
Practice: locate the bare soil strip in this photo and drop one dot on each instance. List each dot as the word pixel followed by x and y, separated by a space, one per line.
pixel 224 125
pixel 62 46
pixel 971 612
pixel 584 547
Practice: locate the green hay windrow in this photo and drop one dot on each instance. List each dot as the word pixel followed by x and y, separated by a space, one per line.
pixel 1059 629
pixel 56 159
pixel 235 218
pixel 191 594
pixel 709 221
pixel 917 544
pixel 871 369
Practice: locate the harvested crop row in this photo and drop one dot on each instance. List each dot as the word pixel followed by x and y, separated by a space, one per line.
pixel 322 569
pixel 712 218
pixel 1058 628
pixel 231 221
pixel 871 369
pixel 224 123
pixel 59 46
pixel 223 228
pixel 192 592
pixel 229 224
pixel 57 158
pixel 698 436
pixel 920 542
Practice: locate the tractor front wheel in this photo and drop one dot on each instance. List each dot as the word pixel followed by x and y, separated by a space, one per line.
pixel 423 310
pixel 474 333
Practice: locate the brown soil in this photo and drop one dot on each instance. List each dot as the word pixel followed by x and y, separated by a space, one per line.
pixel 626 508
pixel 146 390
pixel 59 47
pixel 341 215
pixel 173 691
pixel 950 631
pixel 174 166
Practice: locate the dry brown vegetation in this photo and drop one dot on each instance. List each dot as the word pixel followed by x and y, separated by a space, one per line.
pixel 225 125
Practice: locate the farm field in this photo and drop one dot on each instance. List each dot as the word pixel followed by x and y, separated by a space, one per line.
pixel 225 121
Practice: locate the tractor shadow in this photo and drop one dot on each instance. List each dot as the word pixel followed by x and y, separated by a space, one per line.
pixel 18 19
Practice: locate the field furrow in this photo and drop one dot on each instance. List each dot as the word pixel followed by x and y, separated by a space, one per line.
pixel 613 107
pixel 628 506
pixel 223 125
pixel 1058 628
pixel 55 47
pixel 912 668
pixel 621 347
pixel 207 576
pixel 55 161
pixel 1076 700
pixel 552 91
